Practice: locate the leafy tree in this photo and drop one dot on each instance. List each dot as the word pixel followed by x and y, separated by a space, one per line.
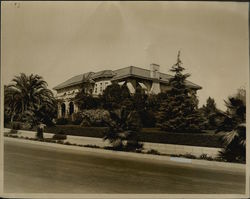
pixel 84 99
pixel 234 126
pixel 210 113
pixel 28 99
pixel 178 110
pixel 115 96
pixel 144 105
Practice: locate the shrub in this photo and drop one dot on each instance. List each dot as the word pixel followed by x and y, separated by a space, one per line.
pixel 148 118
pixel 67 143
pixel 13 131
pixel 94 117
pixel 59 141
pixel 26 126
pixel 188 155
pixel 62 121
pixel 16 125
pixel 153 151
pixel 77 118
pixel 91 146
pixel 59 137
pixel 205 157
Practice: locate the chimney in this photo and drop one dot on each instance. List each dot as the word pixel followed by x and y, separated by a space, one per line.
pixel 155 75
pixel 155 71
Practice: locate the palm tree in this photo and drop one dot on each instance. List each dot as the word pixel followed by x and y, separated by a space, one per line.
pixel 234 145
pixel 234 139
pixel 124 127
pixel 29 96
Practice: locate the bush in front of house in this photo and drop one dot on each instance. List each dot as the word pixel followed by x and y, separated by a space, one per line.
pixel 62 121
pixel 77 118
pixel 94 117
pixel 59 137
pixel 16 125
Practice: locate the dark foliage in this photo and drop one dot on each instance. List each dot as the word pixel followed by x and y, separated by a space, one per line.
pixel 124 127
pixel 77 130
pixel 234 125
pixel 84 98
pixel 77 118
pixel 62 121
pixel 39 133
pixel 178 110
pixel 28 99
pixel 59 137
pixel 211 114
pixel 16 125
pixel 116 96
pixel 154 152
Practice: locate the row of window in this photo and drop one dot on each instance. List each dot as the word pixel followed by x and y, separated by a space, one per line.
pixel 102 87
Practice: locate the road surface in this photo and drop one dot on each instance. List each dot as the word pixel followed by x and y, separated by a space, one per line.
pixel 31 168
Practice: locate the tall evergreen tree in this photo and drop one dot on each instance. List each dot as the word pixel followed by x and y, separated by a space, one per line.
pixel 210 113
pixel 178 111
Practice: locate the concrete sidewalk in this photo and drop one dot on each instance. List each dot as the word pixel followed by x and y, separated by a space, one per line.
pixel 131 155
pixel 172 149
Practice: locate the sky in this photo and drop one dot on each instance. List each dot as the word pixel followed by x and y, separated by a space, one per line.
pixel 58 40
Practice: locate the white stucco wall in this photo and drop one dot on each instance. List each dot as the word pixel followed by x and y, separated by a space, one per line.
pixel 100 86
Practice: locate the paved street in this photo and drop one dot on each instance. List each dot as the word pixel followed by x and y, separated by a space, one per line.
pixel 31 168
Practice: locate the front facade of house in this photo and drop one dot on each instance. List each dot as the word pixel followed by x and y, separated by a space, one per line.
pixel 151 81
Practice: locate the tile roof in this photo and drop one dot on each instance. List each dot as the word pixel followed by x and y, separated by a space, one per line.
pixel 117 75
pixel 74 80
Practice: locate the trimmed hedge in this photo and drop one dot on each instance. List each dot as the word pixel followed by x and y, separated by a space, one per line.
pixel 77 130
pixel 153 135
pixel 146 135
pixel 191 139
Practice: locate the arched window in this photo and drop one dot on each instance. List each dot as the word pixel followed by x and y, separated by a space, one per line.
pixel 71 108
pixel 63 109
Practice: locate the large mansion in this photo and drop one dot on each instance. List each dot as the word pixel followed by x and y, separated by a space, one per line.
pixel 152 81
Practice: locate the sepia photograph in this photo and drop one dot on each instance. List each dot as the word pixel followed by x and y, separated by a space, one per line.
pixel 137 97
